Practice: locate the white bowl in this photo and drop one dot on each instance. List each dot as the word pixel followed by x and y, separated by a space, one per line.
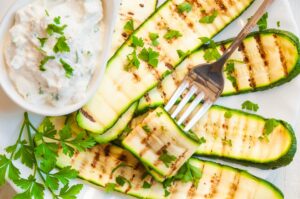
pixel 110 8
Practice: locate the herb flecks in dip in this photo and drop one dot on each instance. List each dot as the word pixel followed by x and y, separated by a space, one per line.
pixel 53 50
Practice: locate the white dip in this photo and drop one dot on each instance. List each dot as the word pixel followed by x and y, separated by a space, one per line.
pixel 38 37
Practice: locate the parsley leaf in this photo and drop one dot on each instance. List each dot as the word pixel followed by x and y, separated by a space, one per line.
pixel 67 67
pixel 120 180
pixel 230 70
pixel 42 41
pixel 269 127
pixel 52 28
pixel 188 173
pixel 172 34
pixel 202 141
pixel 146 185
pixel 57 20
pixel 154 38
pixel 110 187
pixel 250 106
pixel 278 24
pixel 150 56
pixel 211 53
pixel 182 54
pixel 263 22
pixel 167 159
pixel 146 128
pixel 61 45
pixel 129 26
pixel 137 42
pixel 133 61
pixel 209 18
pixel 70 192
pixel 44 62
pixel 184 7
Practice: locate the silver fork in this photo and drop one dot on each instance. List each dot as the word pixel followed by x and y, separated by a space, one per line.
pixel 206 81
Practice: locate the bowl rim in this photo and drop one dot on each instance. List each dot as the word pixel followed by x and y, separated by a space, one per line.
pixel 109 13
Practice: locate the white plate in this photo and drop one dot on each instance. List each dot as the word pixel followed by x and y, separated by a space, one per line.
pixel 282 102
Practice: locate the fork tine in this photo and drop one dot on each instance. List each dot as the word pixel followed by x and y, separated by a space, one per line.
pixel 176 95
pixel 198 115
pixel 190 109
pixel 184 101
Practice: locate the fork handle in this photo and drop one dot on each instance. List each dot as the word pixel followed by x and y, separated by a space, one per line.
pixel 246 30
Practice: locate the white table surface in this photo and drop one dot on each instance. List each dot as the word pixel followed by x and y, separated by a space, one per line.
pixel 288 179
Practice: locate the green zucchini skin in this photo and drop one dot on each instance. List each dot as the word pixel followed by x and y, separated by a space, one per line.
pixel 89 117
pixel 159 96
pixel 285 158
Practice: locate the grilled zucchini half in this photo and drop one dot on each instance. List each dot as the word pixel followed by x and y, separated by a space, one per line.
pixel 160 143
pixel 126 81
pixel 103 164
pixel 265 59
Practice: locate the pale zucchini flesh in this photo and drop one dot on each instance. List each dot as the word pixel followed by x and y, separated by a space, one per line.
pixel 157 136
pixel 265 59
pixel 121 88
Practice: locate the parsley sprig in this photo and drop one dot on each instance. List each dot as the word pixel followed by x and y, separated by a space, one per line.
pixel 250 106
pixel 211 53
pixel 41 159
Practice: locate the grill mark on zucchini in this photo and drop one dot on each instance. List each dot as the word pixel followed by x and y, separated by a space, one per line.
pixel 87 115
pixel 221 5
pixel 162 93
pixel 282 58
pixel 262 55
pixel 234 185
pixel 250 69
pixel 215 180
pixel 96 159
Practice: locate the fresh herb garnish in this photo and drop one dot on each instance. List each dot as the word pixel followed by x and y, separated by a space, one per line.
pixel 53 28
pixel 166 158
pixel 182 53
pixel 120 180
pixel 137 42
pixel 146 185
pixel 42 41
pixel 230 70
pixel 209 18
pixel 154 38
pixel 110 187
pixel 167 193
pixel 42 158
pixel 61 45
pixel 188 173
pixel 270 125
pixel 44 62
pixel 250 106
pixel 278 24
pixel 68 69
pixel 202 140
pixel 150 56
pixel 184 7
pixel 146 128
pixel 211 53
pixel 129 26
pixel 47 13
pixel 57 20
pixel 133 61
pixel 158 114
pixel 227 142
pixel 172 34
pixel 263 22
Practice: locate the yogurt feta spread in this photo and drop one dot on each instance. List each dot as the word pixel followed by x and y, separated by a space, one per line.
pixel 53 49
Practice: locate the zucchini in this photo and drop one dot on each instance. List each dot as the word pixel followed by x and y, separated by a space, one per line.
pixel 245 138
pixel 135 10
pixel 160 143
pixel 266 59
pixel 102 164
pixel 120 88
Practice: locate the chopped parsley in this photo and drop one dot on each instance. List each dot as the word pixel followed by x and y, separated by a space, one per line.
pixel 150 56
pixel 44 62
pixel 42 41
pixel 47 13
pixel 129 26
pixel 61 45
pixel 278 24
pixel 158 114
pixel 120 180
pixel 202 140
pixel 53 28
pixel 110 187
pixel 57 20
pixel 250 106
pixel 228 114
pixel 154 38
pixel 67 67
pixel 172 34
pixel 184 7
pixel 188 173
pixel 227 142
pixel 270 125
pixel 182 54
pixel 146 185
pixel 211 53
pixel 137 42
pixel 146 128
pixel 166 158
pixel 263 22
pixel 133 61
pixel 209 18
pixel 230 70
pixel 167 193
